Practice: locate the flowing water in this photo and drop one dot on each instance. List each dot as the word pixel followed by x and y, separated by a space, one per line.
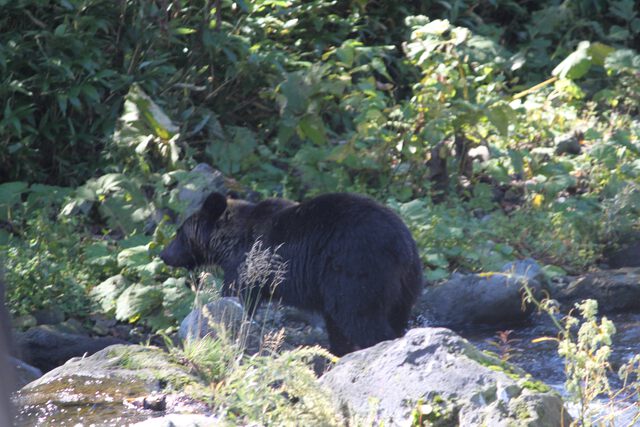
pixel 81 402
pixel 105 401
pixel 541 360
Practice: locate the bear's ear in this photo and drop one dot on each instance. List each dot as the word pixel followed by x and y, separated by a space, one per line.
pixel 214 205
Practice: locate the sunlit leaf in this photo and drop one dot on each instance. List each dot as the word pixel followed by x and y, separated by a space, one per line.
pixel 136 301
pixel 543 339
pixel 184 30
pixel 599 52
pixel 576 64
pixel 134 257
pixel 312 127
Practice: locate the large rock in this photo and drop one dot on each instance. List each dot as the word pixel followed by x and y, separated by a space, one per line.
pixel 289 326
pixel 300 327
pixel 434 375
pixel 225 313
pixel 49 316
pixel 482 298
pixel 46 347
pixel 24 373
pixel 627 255
pixel 118 385
pixel 615 290
pixel 201 181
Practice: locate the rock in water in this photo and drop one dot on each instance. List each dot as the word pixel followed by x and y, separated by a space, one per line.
pixel 432 374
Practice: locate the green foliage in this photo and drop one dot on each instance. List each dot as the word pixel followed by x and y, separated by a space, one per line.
pixel 584 342
pixel 586 356
pixel 212 357
pixel 450 237
pixel 268 388
pixel 281 390
pixel 61 87
pixel 453 236
pixel 40 254
pixel 53 257
pixel 435 412
pixel 43 271
pixel 120 99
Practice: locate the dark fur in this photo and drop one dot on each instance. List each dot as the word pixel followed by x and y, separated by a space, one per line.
pixel 347 257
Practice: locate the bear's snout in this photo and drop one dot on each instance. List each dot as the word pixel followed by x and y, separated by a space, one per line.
pixel 174 257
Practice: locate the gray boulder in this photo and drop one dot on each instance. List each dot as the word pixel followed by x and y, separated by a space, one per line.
pixel 482 298
pixel 627 255
pixel 282 326
pixel 49 316
pixel 226 313
pixel 301 327
pixel 24 373
pixel 112 387
pixel 197 185
pixel 46 347
pixel 437 377
pixel 615 290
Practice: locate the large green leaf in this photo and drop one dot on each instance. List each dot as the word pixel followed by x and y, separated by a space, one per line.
pixel 136 301
pixel 140 106
pixel 500 115
pixel 576 64
pixel 136 256
pixel 178 298
pixel 10 194
pixel 99 254
pixel 294 94
pixel 599 52
pixel 312 127
pixel 623 60
pixel 106 293
pixel 41 196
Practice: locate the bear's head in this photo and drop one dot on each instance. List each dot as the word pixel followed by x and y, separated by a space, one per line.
pixel 214 234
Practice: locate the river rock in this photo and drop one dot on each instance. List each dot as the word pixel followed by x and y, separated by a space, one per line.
pixel 49 316
pixel 24 322
pixel 299 327
pixel 24 373
pixel 45 347
pixel 201 181
pixel 435 376
pixel 281 327
pixel 615 290
pixel 488 298
pixel 226 313
pixel 569 143
pixel 627 255
pixel 108 387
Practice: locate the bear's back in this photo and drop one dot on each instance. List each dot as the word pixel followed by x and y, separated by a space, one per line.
pixel 339 222
pixel 338 216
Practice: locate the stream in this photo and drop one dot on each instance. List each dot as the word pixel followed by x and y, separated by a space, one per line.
pixel 542 361
pixel 108 400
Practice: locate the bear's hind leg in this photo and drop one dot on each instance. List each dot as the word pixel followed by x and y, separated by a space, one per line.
pixel 399 319
pixel 338 343
pixel 350 334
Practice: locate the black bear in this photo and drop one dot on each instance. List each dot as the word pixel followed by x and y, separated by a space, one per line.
pixel 345 256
